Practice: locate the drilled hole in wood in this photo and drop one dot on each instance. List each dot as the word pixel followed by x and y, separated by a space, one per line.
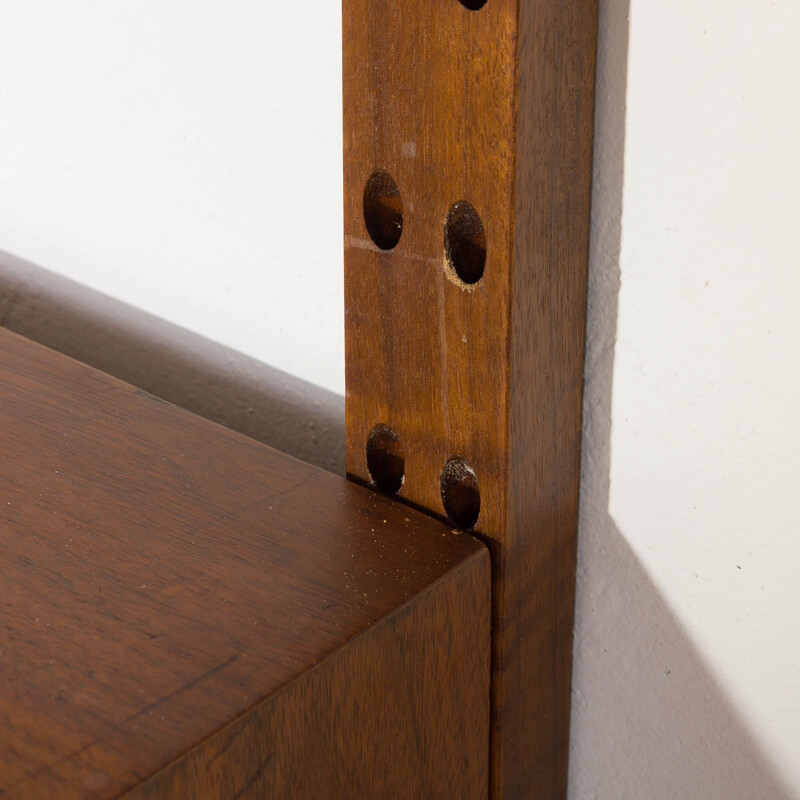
pixel 383 210
pixel 460 493
pixel 473 5
pixel 465 242
pixel 385 460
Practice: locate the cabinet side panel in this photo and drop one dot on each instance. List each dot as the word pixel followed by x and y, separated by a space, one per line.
pixel 400 712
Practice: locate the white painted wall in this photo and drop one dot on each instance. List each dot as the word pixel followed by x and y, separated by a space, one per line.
pixel 184 158
pixel 687 679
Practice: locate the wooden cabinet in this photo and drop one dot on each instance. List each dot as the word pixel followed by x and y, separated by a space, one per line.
pixel 186 613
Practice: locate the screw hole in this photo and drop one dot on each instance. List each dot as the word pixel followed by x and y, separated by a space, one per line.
pixel 385 460
pixel 465 242
pixel 473 5
pixel 383 210
pixel 460 493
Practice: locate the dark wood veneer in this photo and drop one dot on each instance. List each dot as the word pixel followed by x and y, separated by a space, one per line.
pixel 185 613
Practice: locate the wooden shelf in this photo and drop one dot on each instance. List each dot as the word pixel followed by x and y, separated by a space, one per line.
pixel 188 613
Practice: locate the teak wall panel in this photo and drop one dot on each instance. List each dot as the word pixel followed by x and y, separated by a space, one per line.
pixel 495 107
pixel 421 81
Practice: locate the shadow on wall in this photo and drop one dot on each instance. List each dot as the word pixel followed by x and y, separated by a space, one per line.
pixel 213 381
pixel 649 722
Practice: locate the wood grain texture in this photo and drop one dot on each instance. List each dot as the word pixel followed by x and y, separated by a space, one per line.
pixel 388 716
pixel 494 107
pixel 186 613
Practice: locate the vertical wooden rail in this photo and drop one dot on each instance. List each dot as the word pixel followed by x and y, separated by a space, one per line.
pixel 467 152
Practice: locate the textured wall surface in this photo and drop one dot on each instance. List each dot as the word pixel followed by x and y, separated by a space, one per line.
pixel 184 161
pixel 687 672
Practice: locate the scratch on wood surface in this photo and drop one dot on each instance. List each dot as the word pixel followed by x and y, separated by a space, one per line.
pixel 365 244
pixel 254 778
pixel 443 350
